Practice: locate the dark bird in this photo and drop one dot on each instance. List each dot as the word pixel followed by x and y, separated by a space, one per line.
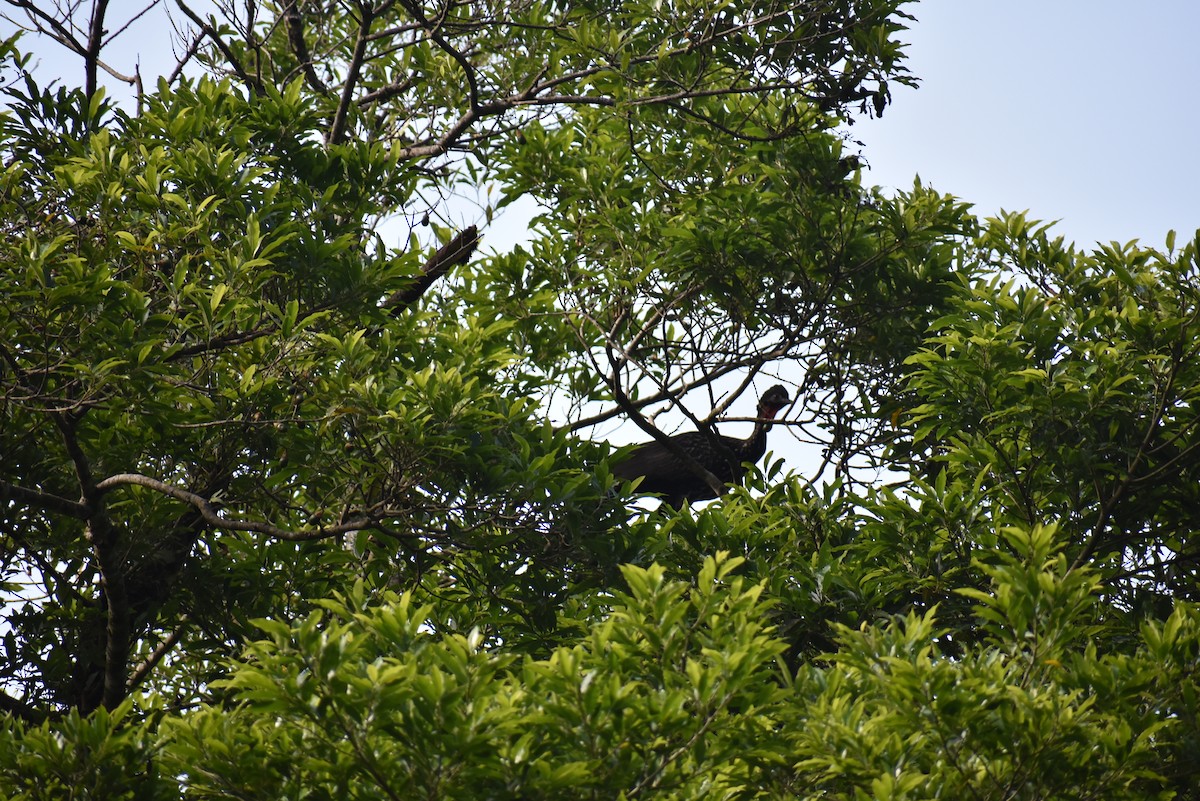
pixel 663 473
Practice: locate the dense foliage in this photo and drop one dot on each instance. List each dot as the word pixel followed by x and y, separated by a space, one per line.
pixel 303 493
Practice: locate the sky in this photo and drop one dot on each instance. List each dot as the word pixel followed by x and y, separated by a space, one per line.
pixel 1082 111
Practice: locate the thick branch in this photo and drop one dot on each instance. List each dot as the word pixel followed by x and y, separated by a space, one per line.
pixel 12 706
pixel 337 131
pixel 102 536
pixel 294 23
pixel 455 252
pixel 42 500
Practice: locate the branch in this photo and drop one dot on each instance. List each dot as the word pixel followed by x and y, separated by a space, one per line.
pixel 253 84
pixel 102 536
pixel 434 31
pixel 1107 505
pixel 706 379
pixel 211 516
pixel 337 131
pixel 241 337
pixel 455 252
pixel 53 28
pixel 42 500
pixel 294 23
pixel 19 709
pixel 385 93
pixel 222 341
pixel 541 92
pixel 182 61
pixel 141 671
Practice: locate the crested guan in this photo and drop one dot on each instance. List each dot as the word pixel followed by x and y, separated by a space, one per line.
pixel 663 473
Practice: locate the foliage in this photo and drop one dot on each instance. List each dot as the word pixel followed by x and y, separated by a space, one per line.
pixel 203 340
pixel 1035 712
pixel 104 755
pixel 367 686
pixel 778 262
pixel 1068 394
pixel 229 389
pixel 281 513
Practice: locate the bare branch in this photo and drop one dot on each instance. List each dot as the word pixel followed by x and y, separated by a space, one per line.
pixel 294 23
pixel 145 10
pixel 455 252
pixel 337 131
pixel 214 36
pixel 211 516
pixel 44 23
pixel 42 500
pixel 182 61
pixel 139 674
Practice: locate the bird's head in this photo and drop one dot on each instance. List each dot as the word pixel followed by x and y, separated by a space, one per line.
pixel 772 401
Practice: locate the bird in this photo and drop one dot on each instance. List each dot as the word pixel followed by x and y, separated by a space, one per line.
pixel 664 473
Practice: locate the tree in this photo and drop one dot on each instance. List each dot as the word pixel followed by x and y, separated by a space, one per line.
pixel 283 513
pixel 226 392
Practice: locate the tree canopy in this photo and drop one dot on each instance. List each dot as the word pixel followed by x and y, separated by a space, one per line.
pixel 304 491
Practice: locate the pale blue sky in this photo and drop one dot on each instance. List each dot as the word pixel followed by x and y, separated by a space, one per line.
pixel 1084 111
